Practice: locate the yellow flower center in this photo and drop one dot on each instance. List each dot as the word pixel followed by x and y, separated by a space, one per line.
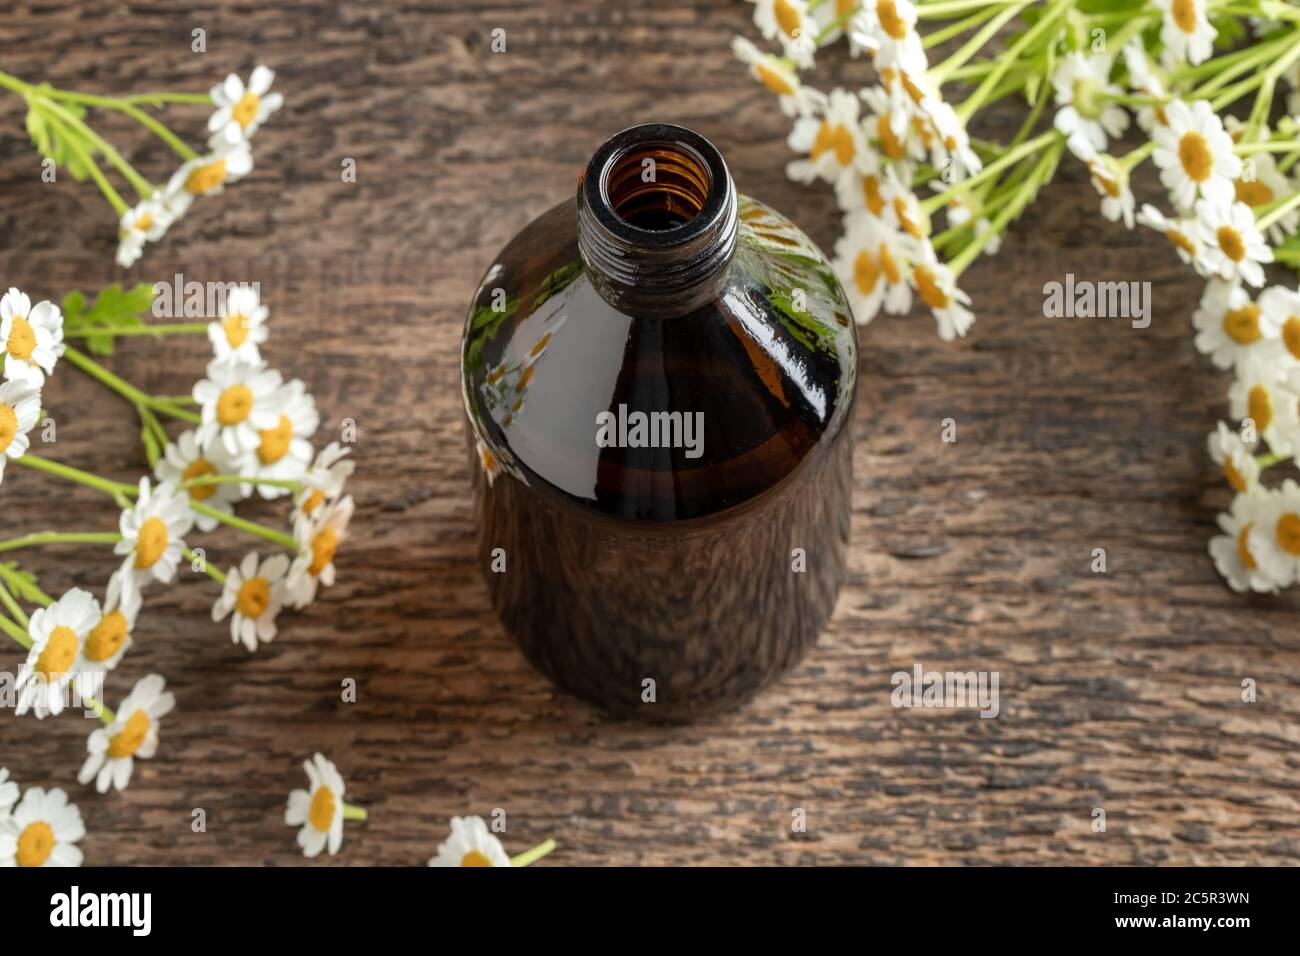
pixel 890 267
pixel 787 18
pixel 890 21
pixel 917 230
pixel 1230 241
pixel 1180 241
pixel 151 542
pixel 1291 335
pixel 236 329
pixel 35 844
pixel 323 547
pixel 1242 325
pixel 234 405
pixel 321 814
pixel 1288 533
pixel 774 79
pixel 835 137
pixel 8 425
pixel 1243 551
pixel 928 288
pixel 145 222
pixel 1184 14
pixel 866 273
pixel 474 858
pixel 59 653
pixel 1253 193
pixel 107 636
pixel 1195 156
pixel 314 499
pixel 890 144
pixel 1233 475
pixel 127 741
pixel 254 597
pixel 1260 405
pixel 871 195
pixel 199 468
pixel 203 178
pixel 22 339
pixel 275 441
pixel 245 111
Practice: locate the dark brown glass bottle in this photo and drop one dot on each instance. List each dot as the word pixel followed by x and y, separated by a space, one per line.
pixel 659 381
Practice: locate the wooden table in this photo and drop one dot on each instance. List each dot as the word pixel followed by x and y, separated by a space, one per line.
pixel 1119 690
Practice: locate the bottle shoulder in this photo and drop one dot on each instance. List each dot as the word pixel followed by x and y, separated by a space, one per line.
pixel 658 419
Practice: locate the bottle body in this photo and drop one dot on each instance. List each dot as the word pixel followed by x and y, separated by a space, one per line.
pixel 662 487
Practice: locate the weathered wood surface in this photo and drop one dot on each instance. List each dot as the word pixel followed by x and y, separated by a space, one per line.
pixel 1119 691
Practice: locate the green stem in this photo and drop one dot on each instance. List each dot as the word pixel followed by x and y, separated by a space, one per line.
pixel 351 812
pixel 1271 459
pixel 1011 56
pixel 10 575
pixel 1041 172
pixel 1276 210
pixel 290 483
pixel 946 8
pixel 114 199
pixel 154 99
pixel 17 633
pixel 123 387
pixel 114 488
pixel 60 537
pixel 106 716
pixel 13 606
pixel 976 43
pixel 175 328
pixel 957 29
pixel 208 569
pixel 142 186
pixel 252 527
pixel 124 106
pixel 532 856
pixel 935 203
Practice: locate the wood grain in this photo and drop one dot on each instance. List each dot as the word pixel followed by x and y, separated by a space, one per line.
pixel 1119 691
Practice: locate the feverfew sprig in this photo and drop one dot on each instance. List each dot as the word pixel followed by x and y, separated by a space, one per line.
pixel 898 155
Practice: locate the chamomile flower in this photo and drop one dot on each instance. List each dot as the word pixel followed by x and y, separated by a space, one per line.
pixel 1230 453
pixel 134 733
pixel 471 844
pixel 57 634
pixel 254 593
pixel 146 222
pixel 1228 324
pixel 1185 31
pixel 790 23
pixel 323 482
pixel 283 452
pixel 1194 153
pixel 242 327
pixel 1182 234
pixel 1234 551
pixel 317 542
pixel 488 461
pixel 896 129
pixel 888 29
pixel 833 143
pixel 1261 183
pixel 239 400
pixel 187 459
pixel 8 792
pixel 1144 80
pixel 963 209
pixel 1281 311
pixel 153 534
pixel 242 109
pixel 937 288
pixel 42 831
pixel 318 811
pixel 951 149
pixel 795 98
pixel 831 17
pixel 1110 179
pixel 862 192
pixel 1233 247
pixel 20 406
pixel 32 336
pixel 110 638
pixel 1274 539
pixel 1257 393
pixel 904 210
pixel 1083 113
pixel 872 263
pixel 207 176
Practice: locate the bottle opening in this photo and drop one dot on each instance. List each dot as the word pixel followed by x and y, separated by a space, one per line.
pixel 658 186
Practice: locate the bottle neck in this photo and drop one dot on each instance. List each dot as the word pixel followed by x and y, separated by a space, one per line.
pixel 657 220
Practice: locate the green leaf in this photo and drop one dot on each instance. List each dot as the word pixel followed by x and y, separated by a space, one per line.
pixel 22 583
pixel 113 307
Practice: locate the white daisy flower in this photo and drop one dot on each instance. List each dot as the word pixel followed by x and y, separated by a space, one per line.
pixel 858 192
pixel 153 535
pixel 1257 393
pixel 186 459
pixel 1194 153
pixel 239 401
pixel 20 406
pixel 1232 246
pixel 471 844
pixel 1229 325
pixel 255 592
pixel 323 483
pixel 937 287
pixel 207 176
pixel 134 733
pixel 1261 183
pixel 241 329
pixel 1144 80
pixel 147 222
pixel 57 634
pixel 1233 552
pixel 1280 307
pixel 872 263
pixel 318 810
pixel 832 18
pixel 43 831
pixel 963 209
pixel 1110 179
pixel 834 143
pixel 8 792
pixel 33 338
pixel 1274 539
pixel 897 128
pixel 317 542
pixel 1182 234
pixel 242 109
pixel 110 638
pixel 284 452
pixel 794 98
pixel 904 210
pixel 790 23
pixel 951 148
pixel 1230 453
pixel 887 28
pixel 1083 114
pixel 1186 33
